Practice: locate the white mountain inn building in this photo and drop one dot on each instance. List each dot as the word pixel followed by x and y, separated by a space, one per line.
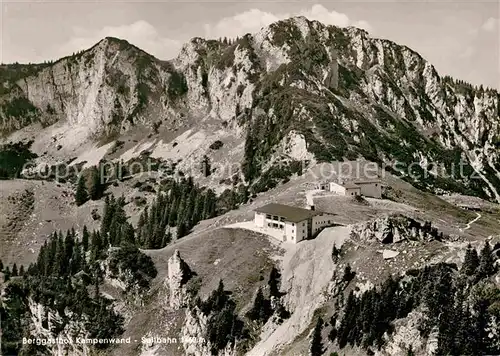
pixel 291 224
pixel 365 187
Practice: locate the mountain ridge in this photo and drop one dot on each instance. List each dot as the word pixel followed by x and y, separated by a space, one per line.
pixel 346 94
pixel 235 125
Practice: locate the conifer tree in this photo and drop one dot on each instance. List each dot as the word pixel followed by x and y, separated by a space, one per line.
pixel 248 165
pixel 172 219
pixel 205 166
pixel 85 238
pixel 21 270
pixel 69 243
pixel 76 262
pixel 181 230
pixel 95 185
pixel 274 276
pixel 316 348
pixel 96 246
pixel 471 262
pixel 1 265
pixel 59 258
pixel 127 234
pixel 14 270
pixel 6 273
pixel 486 262
pixel 167 238
pixel 109 204
pixel 81 195
pixel 257 311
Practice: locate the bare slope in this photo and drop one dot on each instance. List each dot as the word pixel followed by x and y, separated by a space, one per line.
pixel 240 257
pixel 31 210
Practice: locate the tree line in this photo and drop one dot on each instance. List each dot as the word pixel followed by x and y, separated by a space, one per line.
pixel 67 277
pixel 459 303
pixel 178 206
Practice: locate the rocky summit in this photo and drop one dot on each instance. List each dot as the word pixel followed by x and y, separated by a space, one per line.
pixel 335 93
pixel 102 256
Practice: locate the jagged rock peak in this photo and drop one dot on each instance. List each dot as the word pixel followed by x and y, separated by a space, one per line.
pixel 395 228
pixel 178 274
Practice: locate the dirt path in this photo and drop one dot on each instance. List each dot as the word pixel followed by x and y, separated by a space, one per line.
pixel 310 195
pixel 471 222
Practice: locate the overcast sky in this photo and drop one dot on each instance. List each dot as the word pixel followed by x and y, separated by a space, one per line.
pixel 460 38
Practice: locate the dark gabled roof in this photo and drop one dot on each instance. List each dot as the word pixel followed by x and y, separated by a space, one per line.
pixel 290 213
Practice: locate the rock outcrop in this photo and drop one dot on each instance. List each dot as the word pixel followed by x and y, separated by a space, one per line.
pixel 44 321
pixel 346 94
pixel 394 229
pixel 178 274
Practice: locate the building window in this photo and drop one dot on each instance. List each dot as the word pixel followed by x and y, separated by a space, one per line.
pixel 282 219
pixel 275 218
pixel 303 224
pixel 269 224
pixel 375 184
pixel 268 216
pixel 293 224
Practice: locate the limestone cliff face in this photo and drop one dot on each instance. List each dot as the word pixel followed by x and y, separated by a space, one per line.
pixel 45 321
pixel 178 274
pixel 393 229
pixel 107 89
pixel 195 324
pixel 347 94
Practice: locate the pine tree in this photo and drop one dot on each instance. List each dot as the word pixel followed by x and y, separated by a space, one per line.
pixel 109 204
pixel 316 348
pixel 1 265
pixel 209 205
pixel 348 321
pixel 181 230
pixel 197 209
pixel 127 234
pixel 248 165
pixel 85 238
pixel 21 270
pixel 471 262
pixel 167 238
pixel 81 195
pixel 481 320
pixel 486 262
pixel 76 262
pixel 95 186
pixel 205 166
pixel 256 313
pixel 96 246
pixel 274 277
pixel 172 219
pixel 60 258
pixel 69 243
pixel 14 270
